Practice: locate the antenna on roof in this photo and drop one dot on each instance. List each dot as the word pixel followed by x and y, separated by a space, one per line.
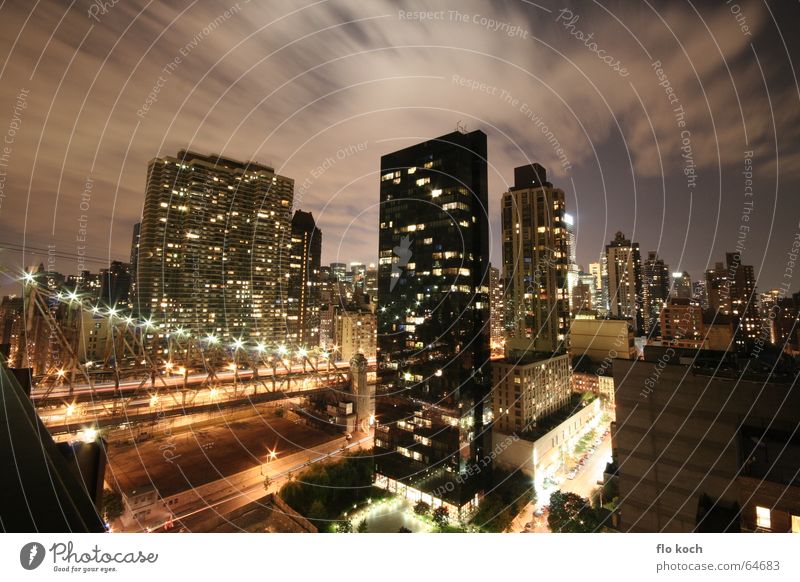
pixel 461 127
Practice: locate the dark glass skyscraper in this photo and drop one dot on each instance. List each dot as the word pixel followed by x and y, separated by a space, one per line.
pixel 433 322
pixel 304 281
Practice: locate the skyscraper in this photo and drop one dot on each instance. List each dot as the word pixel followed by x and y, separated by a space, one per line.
pixel 624 267
pixel 134 261
pixel 304 281
pixel 496 308
pixel 600 289
pixel 682 285
pixel 115 284
pixel 732 291
pixel 433 316
pixel 718 289
pixel 655 288
pixel 535 262
pixel 214 246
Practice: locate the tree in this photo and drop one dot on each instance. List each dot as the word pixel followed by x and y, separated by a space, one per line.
pixel 362 526
pixel 112 504
pixel 421 508
pixel 345 526
pixel 441 516
pixel 403 529
pixel 267 483
pixel 571 513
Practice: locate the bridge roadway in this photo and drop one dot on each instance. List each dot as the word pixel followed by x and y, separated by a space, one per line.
pixel 60 421
pixel 86 393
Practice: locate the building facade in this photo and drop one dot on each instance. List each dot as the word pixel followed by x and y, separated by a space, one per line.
pixel 655 291
pixel 304 292
pixel 536 262
pixel 433 321
pixel 624 268
pixel 704 442
pixel 214 247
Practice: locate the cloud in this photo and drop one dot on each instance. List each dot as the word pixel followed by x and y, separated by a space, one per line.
pixel 291 84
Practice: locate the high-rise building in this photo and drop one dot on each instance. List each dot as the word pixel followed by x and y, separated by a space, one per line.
pixel 624 267
pixel 433 320
pixel 743 298
pixel 134 261
pixel 343 283
pixel 718 289
pixel 785 325
pixel 704 442
pixel 535 262
pixel 214 247
pixel 584 294
pixel 699 293
pixel 358 275
pixel 524 393
pixel 682 323
pixel 496 309
pixel 601 296
pixel 732 291
pixel 655 290
pixel 682 285
pixel 115 284
pixel 303 302
pixel 371 283
pixel 355 332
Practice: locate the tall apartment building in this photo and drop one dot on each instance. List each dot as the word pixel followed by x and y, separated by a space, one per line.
pixel 433 320
pixel 355 332
pixel 214 247
pixel 496 308
pixel 732 291
pixel 601 288
pixel 536 259
pixel 304 291
pixel 682 285
pixel 655 290
pixel 371 283
pixel 624 268
pixel 528 391
pixel 533 381
pixel 134 262
pixel 115 284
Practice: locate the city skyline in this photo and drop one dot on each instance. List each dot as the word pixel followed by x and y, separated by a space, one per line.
pixel 348 267
pixel 325 167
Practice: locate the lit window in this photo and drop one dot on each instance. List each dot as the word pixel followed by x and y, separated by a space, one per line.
pixel 796 524
pixel 763 517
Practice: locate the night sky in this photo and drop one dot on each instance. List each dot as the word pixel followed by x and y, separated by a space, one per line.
pixel 320 90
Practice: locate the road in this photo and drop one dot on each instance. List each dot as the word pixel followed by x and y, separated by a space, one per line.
pixel 197 519
pixel 172 379
pixel 190 459
pixel 586 480
pixel 583 484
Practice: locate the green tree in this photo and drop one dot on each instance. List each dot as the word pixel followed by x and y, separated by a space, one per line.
pixel 267 483
pixel 571 513
pixel 362 526
pixel 344 526
pixel 403 529
pixel 421 508
pixel 441 517
pixel 112 504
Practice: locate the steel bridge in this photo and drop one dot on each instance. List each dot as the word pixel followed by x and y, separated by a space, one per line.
pixel 148 368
